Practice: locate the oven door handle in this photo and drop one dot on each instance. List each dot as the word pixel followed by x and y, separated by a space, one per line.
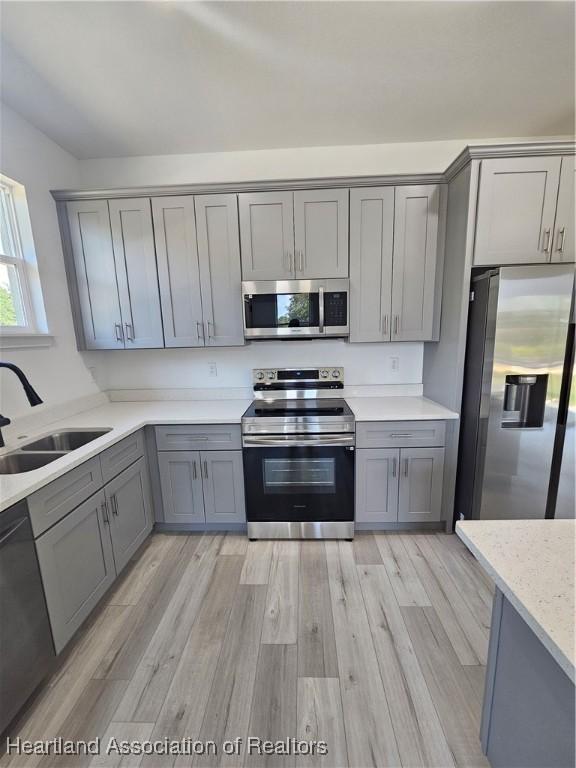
pixel 263 441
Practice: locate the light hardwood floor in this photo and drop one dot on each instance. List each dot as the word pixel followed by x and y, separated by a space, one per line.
pixel 376 647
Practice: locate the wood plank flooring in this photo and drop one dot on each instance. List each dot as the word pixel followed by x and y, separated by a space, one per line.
pixel 376 647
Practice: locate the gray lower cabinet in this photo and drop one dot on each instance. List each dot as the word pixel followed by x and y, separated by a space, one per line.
pixel 202 486
pixel 77 566
pixel 181 484
pixel 420 491
pixel 399 485
pixel 129 511
pixel 223 486
pixel 377 485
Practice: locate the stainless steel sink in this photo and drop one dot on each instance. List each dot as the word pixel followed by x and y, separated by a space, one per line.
pixel 65 441
pixel 16 462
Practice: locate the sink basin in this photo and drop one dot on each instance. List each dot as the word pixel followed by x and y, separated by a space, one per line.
pixel 14 463
pixel 65 441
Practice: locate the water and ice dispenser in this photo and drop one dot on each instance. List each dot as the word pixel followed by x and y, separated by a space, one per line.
pixel 524 401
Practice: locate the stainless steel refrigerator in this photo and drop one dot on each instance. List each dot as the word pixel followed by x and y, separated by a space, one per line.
pixel 516 455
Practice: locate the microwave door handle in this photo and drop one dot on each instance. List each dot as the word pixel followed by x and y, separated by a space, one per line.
pixel 321 310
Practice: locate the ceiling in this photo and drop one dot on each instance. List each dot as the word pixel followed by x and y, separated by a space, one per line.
pixel 108 79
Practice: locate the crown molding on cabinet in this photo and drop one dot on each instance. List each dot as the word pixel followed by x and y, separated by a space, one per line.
pixel 470 153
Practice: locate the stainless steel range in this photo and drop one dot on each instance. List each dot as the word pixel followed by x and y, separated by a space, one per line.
pixel 298 441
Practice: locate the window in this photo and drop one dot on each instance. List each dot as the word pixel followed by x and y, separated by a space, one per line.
pixel 21 306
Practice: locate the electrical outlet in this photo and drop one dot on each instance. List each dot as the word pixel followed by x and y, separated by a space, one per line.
pixel 212 370
pixel 394 363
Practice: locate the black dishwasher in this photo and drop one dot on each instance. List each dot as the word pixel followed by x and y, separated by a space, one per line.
pixel 26 648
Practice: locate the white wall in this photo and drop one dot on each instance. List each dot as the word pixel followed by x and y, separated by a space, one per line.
pixel 365 364
pixel 58 372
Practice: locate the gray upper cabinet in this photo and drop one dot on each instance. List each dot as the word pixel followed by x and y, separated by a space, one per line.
pixel 98 299
pixel 563 243
pixel 223 486
pixel 420 491
pixel 178 270
pixel 220 278
pixel 129 511
pixel 417 262
pixel 181 484
pixel 516 208
pixel 371 243
pixel 77 566
pixel 137 273
pixel 267 235
pixel 321 233
pixel 377 485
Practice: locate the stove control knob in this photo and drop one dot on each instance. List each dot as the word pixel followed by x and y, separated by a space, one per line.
pixel 271 375
pixel 335 373
pixel 259 375
pixel 324 374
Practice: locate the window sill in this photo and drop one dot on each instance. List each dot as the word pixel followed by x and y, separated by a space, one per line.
pixel 25 340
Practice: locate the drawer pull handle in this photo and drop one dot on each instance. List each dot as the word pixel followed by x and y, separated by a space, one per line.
pixel 401 434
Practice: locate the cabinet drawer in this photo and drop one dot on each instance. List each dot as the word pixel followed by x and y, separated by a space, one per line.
pixel 121 455
pixel 395 434
pixel 211 437
pixel 51 503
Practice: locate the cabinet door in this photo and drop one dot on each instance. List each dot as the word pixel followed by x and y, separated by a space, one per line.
pixel 516 205
pixel 420 496
pixel 267 235
pixel 181 484
pixel 416 224
pixel 563 245
pixel 321 233
pixel 377 485
pixel 220 280
pixel 95 269
pixel 371 242
pixel 130 511
pixel 77 566
pixel 223 486
pixel 133 239
pixel 178 273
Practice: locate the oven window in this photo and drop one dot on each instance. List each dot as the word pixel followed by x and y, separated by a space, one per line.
pixel 284 310
pixel 299 476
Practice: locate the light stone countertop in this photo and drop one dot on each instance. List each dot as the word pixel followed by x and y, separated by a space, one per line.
pixel 398 408
pixel 532 563
pixel 126 417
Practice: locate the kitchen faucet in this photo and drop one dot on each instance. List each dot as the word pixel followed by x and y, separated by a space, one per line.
pixel 31 394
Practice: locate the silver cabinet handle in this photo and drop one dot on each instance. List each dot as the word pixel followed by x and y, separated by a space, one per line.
pixel 405 467
pixel 560 239
pixel 321 310
pixel 546 240
pixel 291 259
pixel 194 472
pixel 393 467
pixel 118 330
pixel 395 325
pixel 104 509
pixel 200 330
pixel 114 504
pixel 385 325
pixel 301 260
pixel 205 469
pixel 129 331
pixel 208 324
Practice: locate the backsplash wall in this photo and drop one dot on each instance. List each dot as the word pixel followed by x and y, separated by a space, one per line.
pixel 365 364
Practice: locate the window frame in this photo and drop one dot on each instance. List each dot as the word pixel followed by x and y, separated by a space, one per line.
pixel 15 217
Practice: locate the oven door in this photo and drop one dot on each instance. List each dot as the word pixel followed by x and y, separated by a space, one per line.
pixel 299 482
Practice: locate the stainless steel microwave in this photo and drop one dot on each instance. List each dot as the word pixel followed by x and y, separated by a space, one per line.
pixel 291 309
